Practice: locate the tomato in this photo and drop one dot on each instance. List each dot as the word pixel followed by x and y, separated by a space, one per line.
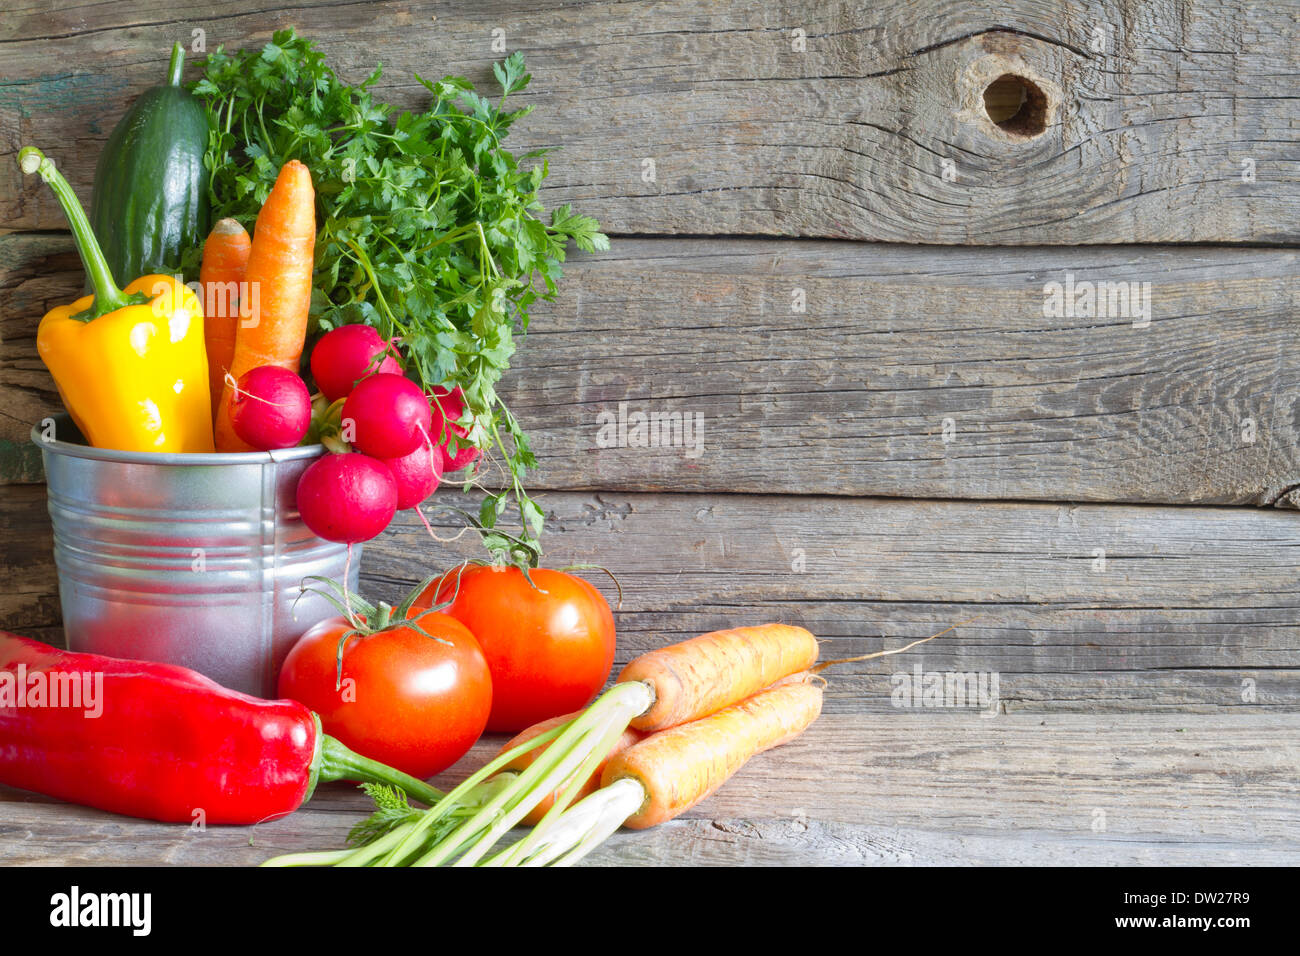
pixel 406 700
pixel 549 648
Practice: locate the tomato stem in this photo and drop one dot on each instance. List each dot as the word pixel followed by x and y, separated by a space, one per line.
pixel 598 567
pixel 369 619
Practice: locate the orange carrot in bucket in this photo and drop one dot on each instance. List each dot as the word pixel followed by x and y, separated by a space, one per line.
pixel 273 317
pixel 225 263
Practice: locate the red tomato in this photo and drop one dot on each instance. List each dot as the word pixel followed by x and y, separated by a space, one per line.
pixel 407 701
pixel 549 648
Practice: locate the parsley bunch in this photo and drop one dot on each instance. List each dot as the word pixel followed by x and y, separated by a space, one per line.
pixel 429 229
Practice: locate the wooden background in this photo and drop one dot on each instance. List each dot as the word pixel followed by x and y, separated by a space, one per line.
pixel 1110 503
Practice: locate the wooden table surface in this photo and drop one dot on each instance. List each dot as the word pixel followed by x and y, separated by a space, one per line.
pixel 857 789
pixel 824 247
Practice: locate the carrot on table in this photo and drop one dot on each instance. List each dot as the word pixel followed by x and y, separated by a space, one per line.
pixel 670 686
pixel 709 672
pixel 273 316
pixel 680 766
pixel 669 772
pixel 225 261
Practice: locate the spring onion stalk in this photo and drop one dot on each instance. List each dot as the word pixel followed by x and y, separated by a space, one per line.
pixel 572 784
pixel 316 858
pixel 583 737
pixel 618 801
pixel 604 739
pixel 465 824
pixel 367 854
pixel 578 830
pixel 462 796
pixel 477 836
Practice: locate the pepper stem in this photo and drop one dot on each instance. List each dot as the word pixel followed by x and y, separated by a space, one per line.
pixel 108 297
pixel 177 65
pixel 338 762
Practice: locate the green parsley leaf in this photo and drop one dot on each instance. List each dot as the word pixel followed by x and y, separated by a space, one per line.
pixel 429 228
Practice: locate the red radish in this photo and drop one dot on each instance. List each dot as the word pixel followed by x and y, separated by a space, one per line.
pixel 416 474
pixel 270 408
pixel 348 354
pixel 386 416
pixel 453 406
pixel 347 498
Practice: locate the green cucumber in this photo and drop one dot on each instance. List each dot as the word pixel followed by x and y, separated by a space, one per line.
pixel 149 206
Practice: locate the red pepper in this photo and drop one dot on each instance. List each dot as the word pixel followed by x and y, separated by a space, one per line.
pixel 163 742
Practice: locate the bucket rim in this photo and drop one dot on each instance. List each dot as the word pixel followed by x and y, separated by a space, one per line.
pixel 75 449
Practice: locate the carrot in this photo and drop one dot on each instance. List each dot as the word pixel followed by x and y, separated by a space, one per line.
pixel 525 760
pixel 680 766
pixel 225 260
pixel 697 677
pixel 273 322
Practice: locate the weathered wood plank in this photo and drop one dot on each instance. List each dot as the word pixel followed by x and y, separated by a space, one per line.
pixel 911 372
pixel 1193 609
pixel 1085 608
pixel 853 790
pixel 37 272
pixel 29 598
pixel 919 373
pixel 1162 122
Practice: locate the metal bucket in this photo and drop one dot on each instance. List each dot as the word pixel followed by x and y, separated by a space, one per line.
pixel 192 559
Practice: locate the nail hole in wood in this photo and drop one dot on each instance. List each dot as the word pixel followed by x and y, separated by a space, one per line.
pixel 1016 105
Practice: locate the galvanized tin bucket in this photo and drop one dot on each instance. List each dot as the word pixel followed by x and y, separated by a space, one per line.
pixel 194 560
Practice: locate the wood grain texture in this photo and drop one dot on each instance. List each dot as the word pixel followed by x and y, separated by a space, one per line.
pixel 854 790
pixel 29 598
pixel 1147 657
pixel 854 394
pixel 1179 128
pixel 1194 609
pixel 915 372
pixel 37 272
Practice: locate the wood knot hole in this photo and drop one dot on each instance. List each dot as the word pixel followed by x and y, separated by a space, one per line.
pixel 1016 105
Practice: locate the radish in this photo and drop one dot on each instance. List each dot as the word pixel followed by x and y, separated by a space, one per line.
pixel 348 354
pixel 386 416
pixel 452 404
pixel 270 408
pixel 347 498
pixel 416 474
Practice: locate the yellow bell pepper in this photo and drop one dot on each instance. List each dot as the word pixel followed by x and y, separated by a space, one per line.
pixel 130 364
